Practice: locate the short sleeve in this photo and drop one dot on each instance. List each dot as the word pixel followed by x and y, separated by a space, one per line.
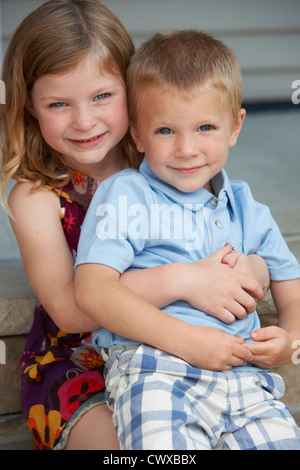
pixel 112 232
pixel 260 226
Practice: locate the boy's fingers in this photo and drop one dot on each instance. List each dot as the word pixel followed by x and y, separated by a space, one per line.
pixel 239 339
pixel 257 349
pixel 243 353
pixel 264 334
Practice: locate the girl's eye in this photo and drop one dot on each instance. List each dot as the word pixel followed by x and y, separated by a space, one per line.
pixel 206 128
pixel 57 105
pixel 164 131
pixel 102 96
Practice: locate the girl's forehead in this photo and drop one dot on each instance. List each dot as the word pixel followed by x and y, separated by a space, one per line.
pixel 94 63
pixel 90 70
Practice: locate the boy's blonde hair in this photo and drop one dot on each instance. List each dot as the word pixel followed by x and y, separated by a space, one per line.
pixel 54 39
pixel 183 61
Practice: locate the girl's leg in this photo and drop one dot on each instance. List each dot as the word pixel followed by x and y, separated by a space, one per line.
pixel 94 431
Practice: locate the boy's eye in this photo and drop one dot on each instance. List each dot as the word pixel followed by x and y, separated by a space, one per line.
pixel 164 131
pixel 205 128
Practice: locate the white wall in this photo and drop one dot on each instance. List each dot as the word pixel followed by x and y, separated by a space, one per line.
pixel 265 34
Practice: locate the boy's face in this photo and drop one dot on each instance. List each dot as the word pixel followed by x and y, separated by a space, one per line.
pixel 185 140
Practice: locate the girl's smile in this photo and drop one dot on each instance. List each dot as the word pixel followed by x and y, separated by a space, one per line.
pixel 88 143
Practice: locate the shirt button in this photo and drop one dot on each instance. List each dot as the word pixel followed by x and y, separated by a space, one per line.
pixel 218 224
pixel 213 202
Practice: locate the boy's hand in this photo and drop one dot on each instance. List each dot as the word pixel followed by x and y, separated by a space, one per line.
pixel 212 349
pixel 273 347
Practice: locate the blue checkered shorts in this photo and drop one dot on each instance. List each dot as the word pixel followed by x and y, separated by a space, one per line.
pixel 160 402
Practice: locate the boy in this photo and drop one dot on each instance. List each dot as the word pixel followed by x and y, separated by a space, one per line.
pixel 185 112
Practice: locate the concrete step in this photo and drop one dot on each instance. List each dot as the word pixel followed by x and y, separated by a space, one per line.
pixel 14 433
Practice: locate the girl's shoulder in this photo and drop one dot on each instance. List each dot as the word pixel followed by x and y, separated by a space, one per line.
pixel 23 199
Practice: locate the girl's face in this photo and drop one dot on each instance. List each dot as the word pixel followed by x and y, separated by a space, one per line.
pixel 83 115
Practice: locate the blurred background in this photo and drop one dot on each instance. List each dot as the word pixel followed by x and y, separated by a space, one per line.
pixel 265 36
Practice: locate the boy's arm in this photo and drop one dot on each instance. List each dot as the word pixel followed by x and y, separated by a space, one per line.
pixel 275 345
pixel 100 294
pixel 286 296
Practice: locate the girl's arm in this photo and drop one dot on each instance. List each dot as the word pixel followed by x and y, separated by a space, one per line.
pixel 251 265
pixel 225 292
pixel 104 298
pixel 49 265
pixel 47 259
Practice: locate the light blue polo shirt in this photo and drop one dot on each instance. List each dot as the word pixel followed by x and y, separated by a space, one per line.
pixel 137 221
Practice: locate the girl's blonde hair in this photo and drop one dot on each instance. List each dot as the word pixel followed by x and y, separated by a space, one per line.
pixel 54 39
pixel 184 61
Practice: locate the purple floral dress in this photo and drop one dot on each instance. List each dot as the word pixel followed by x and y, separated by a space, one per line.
pixel 60 371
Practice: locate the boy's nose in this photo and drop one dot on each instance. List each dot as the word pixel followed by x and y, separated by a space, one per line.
pixel 186 147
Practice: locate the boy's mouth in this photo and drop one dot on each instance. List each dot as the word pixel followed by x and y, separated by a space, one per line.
pixel 187 171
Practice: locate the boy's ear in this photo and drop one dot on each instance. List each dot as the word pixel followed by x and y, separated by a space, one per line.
pixel 237 128
pixel 136 139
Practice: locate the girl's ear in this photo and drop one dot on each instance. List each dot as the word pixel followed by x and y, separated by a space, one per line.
pixel 29 106
pixel 237 128
pixel 136 139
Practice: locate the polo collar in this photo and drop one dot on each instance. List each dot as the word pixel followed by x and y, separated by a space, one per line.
pixel 220 185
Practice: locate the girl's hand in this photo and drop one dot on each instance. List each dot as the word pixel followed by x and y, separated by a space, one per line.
pixel 273 347
pixel 212 349
pixel 219 290
pixel 252 265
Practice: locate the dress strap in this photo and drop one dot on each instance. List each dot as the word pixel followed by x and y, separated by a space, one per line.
pixel 80 189
pixel 60 192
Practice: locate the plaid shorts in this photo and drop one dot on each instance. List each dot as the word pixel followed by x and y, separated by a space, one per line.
pixel 160 402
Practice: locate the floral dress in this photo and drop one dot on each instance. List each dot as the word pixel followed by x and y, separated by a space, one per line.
pixel 60 372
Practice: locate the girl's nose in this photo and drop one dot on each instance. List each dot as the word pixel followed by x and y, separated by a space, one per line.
pixel 84 119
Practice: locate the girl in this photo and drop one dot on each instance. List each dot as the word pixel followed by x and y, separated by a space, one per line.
pixel 64 130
